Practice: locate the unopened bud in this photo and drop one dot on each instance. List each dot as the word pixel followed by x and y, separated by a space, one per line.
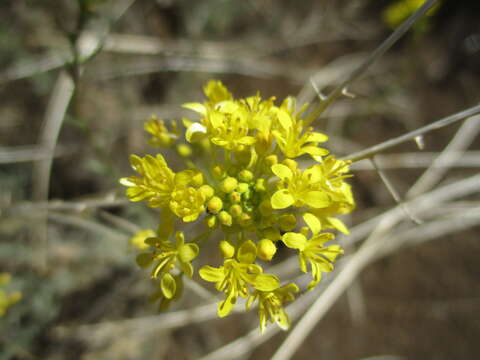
pixel 218 173
pixel 245 175
pixel 266 249
pixel 236 210
pixel 206 191
pixel 225 218
pixel 211 221
pixel 215 204
pixel 229 184
pixel 226 249
pixel 291 164
pixel 287 222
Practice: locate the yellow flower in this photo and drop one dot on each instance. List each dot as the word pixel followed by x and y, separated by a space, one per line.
pixel 290 136
pixel 161 136
pixel 165 302
pixel 302 188
pixel 235 275
pixel 155 184
pixel 163 188
pixel 7 299
pixel 167 256
pixel 138 240
pixel 270 305
pixel 320 257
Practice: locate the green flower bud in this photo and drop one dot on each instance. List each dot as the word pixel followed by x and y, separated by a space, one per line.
pixel 225 218
pixel 226 249
pixel 218 172
pixel 184 150
pixel 260 185
pixel 265 207
pixel 197 179
pixel 215 204
pixel 291 164
pixel 206 191
pixel 242 188
pixel 287 222
pixel 236 210
pixel 266 249
pixel 245 175
pixel 271 160
pixel 229 184
pixel 211 221
pixel 235 197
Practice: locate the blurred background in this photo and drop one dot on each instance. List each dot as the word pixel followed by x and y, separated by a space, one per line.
pixel 79 78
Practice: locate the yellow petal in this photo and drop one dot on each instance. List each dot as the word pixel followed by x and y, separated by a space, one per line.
pixel 338 224
pixel 282 199
pixel 316 199
pixel 312 222
pixel 282 171
pixel 209 273
pixel 197 107
pixel 144 260
pixel 266 282
pixel 168 286
pixel 195 132
pixel 226 305
pixel 188 252
pixel 294 240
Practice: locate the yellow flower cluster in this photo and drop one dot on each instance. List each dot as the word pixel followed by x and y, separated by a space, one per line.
pixel 242 179
pixel 7 299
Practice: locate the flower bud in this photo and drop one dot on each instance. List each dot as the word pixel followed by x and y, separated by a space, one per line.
pixel 287 222
pixel 184 150
pixel 272 234
pixel 226 249
pixel 271 160
pixel 235 197
pixel 215 204
pixel 291 164
pixel 197 179
pixel 236 210
pixel 265 207
pixel 263 143
pixel 242 188
pixel 229 184
pixel 225 218
pixel 266 249
pixel 245 175
pixel 211 221
pixel 245 219
pixel 218 172
pixel 260 185
pixel 206 191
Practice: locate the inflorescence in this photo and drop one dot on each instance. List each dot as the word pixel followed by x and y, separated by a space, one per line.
pixel 242 179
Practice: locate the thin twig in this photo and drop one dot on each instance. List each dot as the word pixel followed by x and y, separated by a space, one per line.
pixel 371 151
pixel 377 53
pixel 452 153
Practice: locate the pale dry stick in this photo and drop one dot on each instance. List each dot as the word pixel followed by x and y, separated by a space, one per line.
pixel 467 159
pixel 249 67
pixel 17 154
pixel 393 191
pixel 56 110
pixel 360 260
pixel 451 154
pixel 376 149
pixel 377 53
pixel 60 205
